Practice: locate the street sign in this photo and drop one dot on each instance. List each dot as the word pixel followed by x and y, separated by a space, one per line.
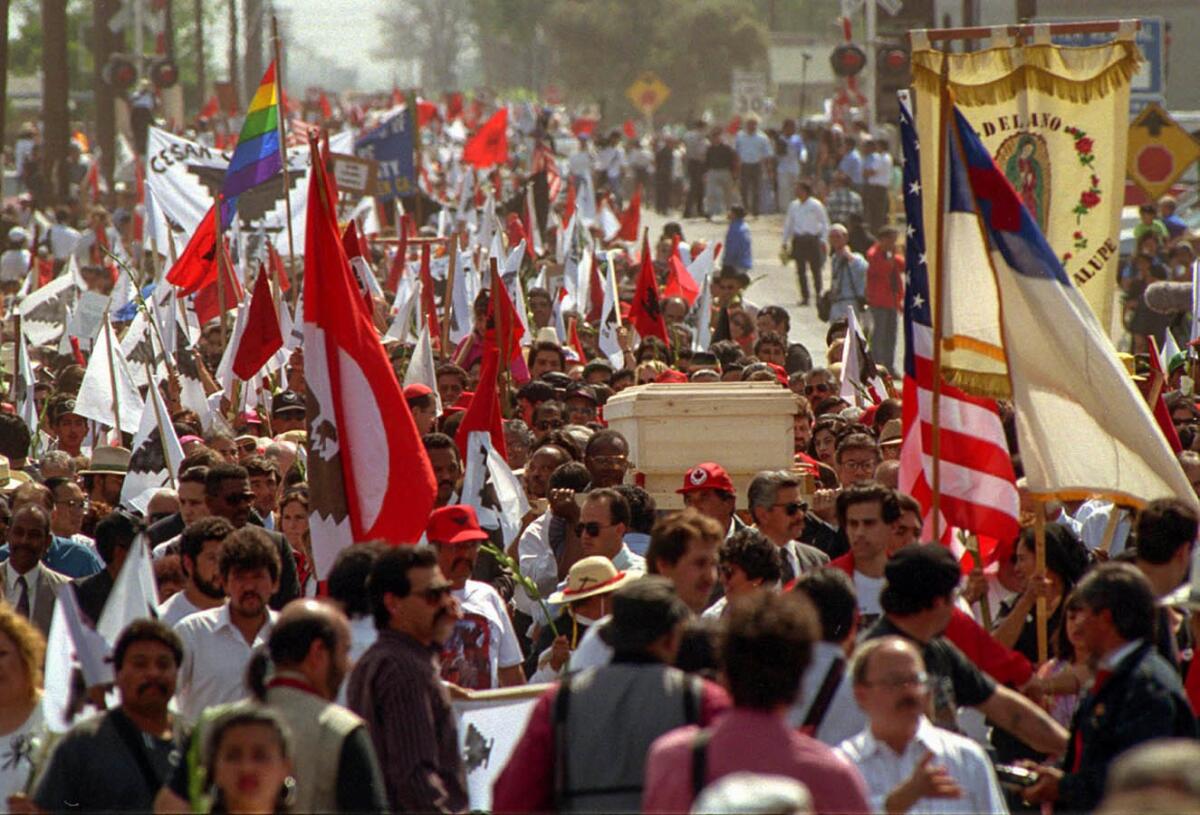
pixel 1160 151
pixel 647 92
pixel 749 92
pixel 1149 84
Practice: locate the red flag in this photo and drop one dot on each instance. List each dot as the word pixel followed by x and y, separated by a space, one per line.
pixel 397 96
pixel 211 108
pixel 583 126
pixel 400 261
pixel 426 112
pixel 680 282
pixel 213 299
pixel 630 132
pixel 277 268
pixel 631 218
pixel 454 105
pixel 504 329
pixel 326 108
pixel 646 311
pixel 428 306
pixel 573 340
pixel 1161 414
pixel 483 414
pixel 595 298
pixel 369 473
pixel 569 208
pixel 489 144
pixel 352 244
pixel 197 267
pixel 45 270
pixel 261 337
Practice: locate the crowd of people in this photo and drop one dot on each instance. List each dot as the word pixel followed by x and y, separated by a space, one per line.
pixel 798 647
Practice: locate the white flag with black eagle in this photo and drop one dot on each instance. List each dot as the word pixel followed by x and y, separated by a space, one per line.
pixel 155 457
pixel 491 488
pixel 44 312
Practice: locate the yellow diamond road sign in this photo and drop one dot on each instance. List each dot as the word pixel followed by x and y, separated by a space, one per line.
pixel 647 92
pixel 1160 151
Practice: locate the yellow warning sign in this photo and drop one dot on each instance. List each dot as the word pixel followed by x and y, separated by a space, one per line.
pixel 647 92
pixel 1160 151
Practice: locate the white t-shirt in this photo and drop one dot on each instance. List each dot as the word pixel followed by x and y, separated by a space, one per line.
pixel 17 751
pixel 868 589
pixel 175 608
pixel 483 640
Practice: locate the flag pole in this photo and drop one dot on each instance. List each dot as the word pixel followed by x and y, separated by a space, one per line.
pixel 287 184
pixel 452 250
pixel 221 255
pixel 112 372
pixel 1039 539
pixel 938 300
pixel 502 340
pixel 158 419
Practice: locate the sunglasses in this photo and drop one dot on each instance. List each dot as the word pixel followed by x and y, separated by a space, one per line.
pixel 239 498
pixel 822 387
pixel 793 507
pixel 435 594
pixel 592 528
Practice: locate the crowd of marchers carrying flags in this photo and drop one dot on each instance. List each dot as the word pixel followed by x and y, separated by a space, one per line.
pixel 278 506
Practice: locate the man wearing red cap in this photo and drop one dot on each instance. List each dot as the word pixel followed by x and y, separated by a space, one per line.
pixel 708 489
pixel 483 651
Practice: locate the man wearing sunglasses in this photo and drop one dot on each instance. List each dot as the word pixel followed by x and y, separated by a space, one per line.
pixel 778 511
pixel 227 495
pixel 415 614
pixel 603 519
pixel 483 651
pixel 818 383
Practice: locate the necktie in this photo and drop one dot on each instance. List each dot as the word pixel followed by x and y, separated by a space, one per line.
pixel 789 571
pixel 23 599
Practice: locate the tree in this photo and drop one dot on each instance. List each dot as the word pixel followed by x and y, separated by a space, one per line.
pixel 56 93
pixel 439 31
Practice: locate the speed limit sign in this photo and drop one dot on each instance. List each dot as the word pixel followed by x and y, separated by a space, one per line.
pixel 749 93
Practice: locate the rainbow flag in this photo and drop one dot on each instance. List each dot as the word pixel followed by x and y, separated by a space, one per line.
pixel 257 156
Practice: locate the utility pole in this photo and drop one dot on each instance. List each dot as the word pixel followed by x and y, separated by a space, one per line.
pixel 233 55
pixel 102 49
pixel 4 4
pixel 201 74
pixel 253 14
pixel 56 98
pixel 871 12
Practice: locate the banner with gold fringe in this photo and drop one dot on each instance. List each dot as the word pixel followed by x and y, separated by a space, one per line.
pixel 1056 120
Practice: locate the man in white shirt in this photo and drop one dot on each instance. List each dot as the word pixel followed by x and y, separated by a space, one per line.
pixel 805 237
pixel 910 765
pixel 867 512
pixel 603 521
pixel 753 149
pixel 483 651
pixel 579 165
pixel 548 545
pixel 695 150
pixel 200 559
pixel 877 179
pixel 218 643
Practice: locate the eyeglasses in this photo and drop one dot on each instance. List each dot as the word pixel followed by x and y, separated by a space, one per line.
pixel 592 528
pixel 792 507
pixel 896 682
pixel 435 594
pixel 248 447
pixel 548 425
pixel 862 465
pixel 822 387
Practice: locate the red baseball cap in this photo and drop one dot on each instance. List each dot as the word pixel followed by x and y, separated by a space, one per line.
pixel 671 377
pixel 416 390
pixel 707 475
pixel 454 524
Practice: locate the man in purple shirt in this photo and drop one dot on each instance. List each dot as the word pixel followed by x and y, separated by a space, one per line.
pixel 766 646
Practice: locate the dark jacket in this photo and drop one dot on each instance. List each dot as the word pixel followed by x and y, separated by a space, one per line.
pixel 92 593
pixel 1142 700
pixel 165 529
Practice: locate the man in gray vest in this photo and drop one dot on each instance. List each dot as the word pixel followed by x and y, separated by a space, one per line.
pixel 584 748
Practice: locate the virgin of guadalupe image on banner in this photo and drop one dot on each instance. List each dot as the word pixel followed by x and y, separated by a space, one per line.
pixel 1056 119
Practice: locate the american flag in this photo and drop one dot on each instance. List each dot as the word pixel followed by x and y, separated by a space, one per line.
pixel 978 490
pixel 543 161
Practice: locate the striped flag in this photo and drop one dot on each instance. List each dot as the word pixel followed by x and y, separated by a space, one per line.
pixel 257 156
pixel 978 489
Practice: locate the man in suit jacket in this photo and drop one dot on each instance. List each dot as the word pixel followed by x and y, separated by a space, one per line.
pixel 1136 696
pixel 30 587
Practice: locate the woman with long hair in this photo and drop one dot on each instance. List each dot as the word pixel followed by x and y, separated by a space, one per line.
pixel 293 525
pixel 248 761
pixel 22 651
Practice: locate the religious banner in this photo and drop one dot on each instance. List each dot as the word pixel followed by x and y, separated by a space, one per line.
pixel 1056 119
pixel 489 725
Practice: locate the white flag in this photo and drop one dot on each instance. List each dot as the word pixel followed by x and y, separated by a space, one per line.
pixel 95 400
pixel 155 457
pixel 44 313
pixel 491 488
pixel 610 318
pixel 422 369
pixel 133 595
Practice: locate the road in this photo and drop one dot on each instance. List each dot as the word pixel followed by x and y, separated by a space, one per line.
pixel 774 284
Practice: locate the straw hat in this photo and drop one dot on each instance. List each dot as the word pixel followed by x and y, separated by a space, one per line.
pixel 591 576
pixel 10 479
pixel 108 461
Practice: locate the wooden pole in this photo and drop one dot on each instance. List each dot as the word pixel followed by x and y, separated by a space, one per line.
pixel 287 185
pixel 220 249
pixel 1039 537
pixel 414 123
pixel 112 373
pixel 938 301
pixel 452 249
pixel 158 419
pixel 1025 31
pixel 1110 529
